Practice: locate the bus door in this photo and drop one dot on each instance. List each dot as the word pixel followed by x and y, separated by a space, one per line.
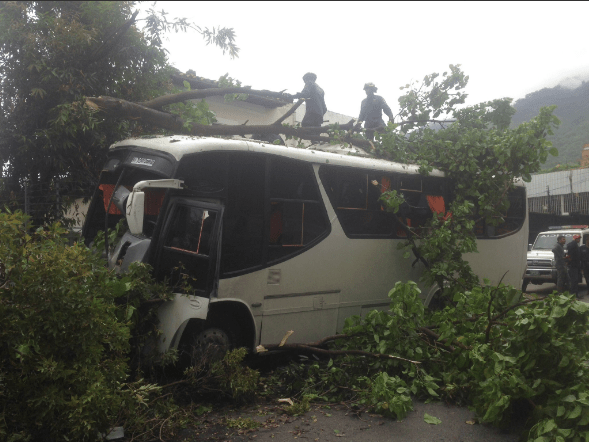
pixel 189 248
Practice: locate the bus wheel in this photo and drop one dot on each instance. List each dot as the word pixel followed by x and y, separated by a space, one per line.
pixel 211 344
pixel 438 302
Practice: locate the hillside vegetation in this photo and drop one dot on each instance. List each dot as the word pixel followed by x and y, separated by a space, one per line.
pixel 573 112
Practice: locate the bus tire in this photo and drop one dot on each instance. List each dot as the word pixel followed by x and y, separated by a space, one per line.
pixel 213 342
pixel 208 342
pixel 437 303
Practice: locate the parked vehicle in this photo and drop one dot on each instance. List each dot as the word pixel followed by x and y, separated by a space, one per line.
pixel 272 238
pixel 540 267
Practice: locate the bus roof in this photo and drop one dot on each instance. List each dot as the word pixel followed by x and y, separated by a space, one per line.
pixel 181 145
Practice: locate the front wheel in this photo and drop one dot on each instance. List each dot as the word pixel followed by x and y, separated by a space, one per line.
pixel 207 342
pixel 212 343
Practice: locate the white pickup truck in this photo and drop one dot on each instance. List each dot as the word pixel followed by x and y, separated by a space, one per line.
pixel 540 265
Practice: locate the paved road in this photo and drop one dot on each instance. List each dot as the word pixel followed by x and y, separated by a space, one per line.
pixel 546 289
pixel 340 424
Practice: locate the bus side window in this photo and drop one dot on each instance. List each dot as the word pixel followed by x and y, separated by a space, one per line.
pixel 243 222
pixel 297 216
pixel 513 217
pixel 355 197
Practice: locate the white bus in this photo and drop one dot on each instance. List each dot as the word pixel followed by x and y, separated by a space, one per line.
pixel 274 238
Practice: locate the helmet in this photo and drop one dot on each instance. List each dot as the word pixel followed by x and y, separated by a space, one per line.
pixel 309 75
pixel 370 86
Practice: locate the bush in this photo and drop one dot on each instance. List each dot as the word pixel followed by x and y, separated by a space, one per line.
pixel 63 350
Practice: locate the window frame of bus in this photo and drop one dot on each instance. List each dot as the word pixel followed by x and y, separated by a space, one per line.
pixel 226 193
pixel 520 219
pixel 175 205
pixel 312 199
pixel 329 172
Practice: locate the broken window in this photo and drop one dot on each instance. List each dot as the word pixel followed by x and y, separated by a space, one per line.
pixel 188 243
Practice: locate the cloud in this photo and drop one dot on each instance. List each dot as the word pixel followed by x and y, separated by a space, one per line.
pixel 573 82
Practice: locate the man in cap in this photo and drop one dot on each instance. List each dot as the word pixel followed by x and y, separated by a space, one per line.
pixel 371 110
pixel 315 102
pixel 574 263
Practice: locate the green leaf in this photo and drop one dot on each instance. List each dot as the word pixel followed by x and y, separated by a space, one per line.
pixel 130 310
pixel 575 413
pixel 431 419
pixel 549 426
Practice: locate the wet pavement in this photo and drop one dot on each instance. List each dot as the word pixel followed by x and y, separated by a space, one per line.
pixel 547 289
pixel 340 423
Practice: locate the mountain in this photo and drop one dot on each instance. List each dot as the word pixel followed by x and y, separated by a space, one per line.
pixel 573 112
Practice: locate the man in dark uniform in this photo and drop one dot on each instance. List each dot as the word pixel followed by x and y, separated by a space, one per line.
pixel 371 110
pixel 562 276
pixel 574 264
pixel 315 102
pixel 584 251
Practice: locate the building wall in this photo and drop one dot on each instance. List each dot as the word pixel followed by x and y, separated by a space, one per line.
pixel 559 193
pixel 238 112
pixel 560 204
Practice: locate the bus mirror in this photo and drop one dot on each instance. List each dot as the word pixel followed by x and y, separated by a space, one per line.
pixel 136 201
pixel 529 247
pixel 119 199
pixel 135 205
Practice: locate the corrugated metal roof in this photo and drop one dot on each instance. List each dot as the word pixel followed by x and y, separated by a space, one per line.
pixel 558 183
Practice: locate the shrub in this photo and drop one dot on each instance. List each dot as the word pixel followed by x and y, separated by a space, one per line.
pixel 63 351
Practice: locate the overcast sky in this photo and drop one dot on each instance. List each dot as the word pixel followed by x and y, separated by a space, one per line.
pixel 507 49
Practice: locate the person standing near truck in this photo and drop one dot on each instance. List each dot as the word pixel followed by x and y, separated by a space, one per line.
pixel 584 250
pixel 574 255
pixel 562 276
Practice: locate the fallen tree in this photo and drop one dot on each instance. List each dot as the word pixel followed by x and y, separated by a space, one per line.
pixel 151 113
pixel 487 349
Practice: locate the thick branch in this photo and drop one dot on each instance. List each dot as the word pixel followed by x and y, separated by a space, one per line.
pixel 290 112
pixel 125 109
pixel 311 349
pixel 159 102
pixel 434 335
pixel 427 121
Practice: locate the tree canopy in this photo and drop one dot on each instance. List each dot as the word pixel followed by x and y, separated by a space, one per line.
pixel 52 54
